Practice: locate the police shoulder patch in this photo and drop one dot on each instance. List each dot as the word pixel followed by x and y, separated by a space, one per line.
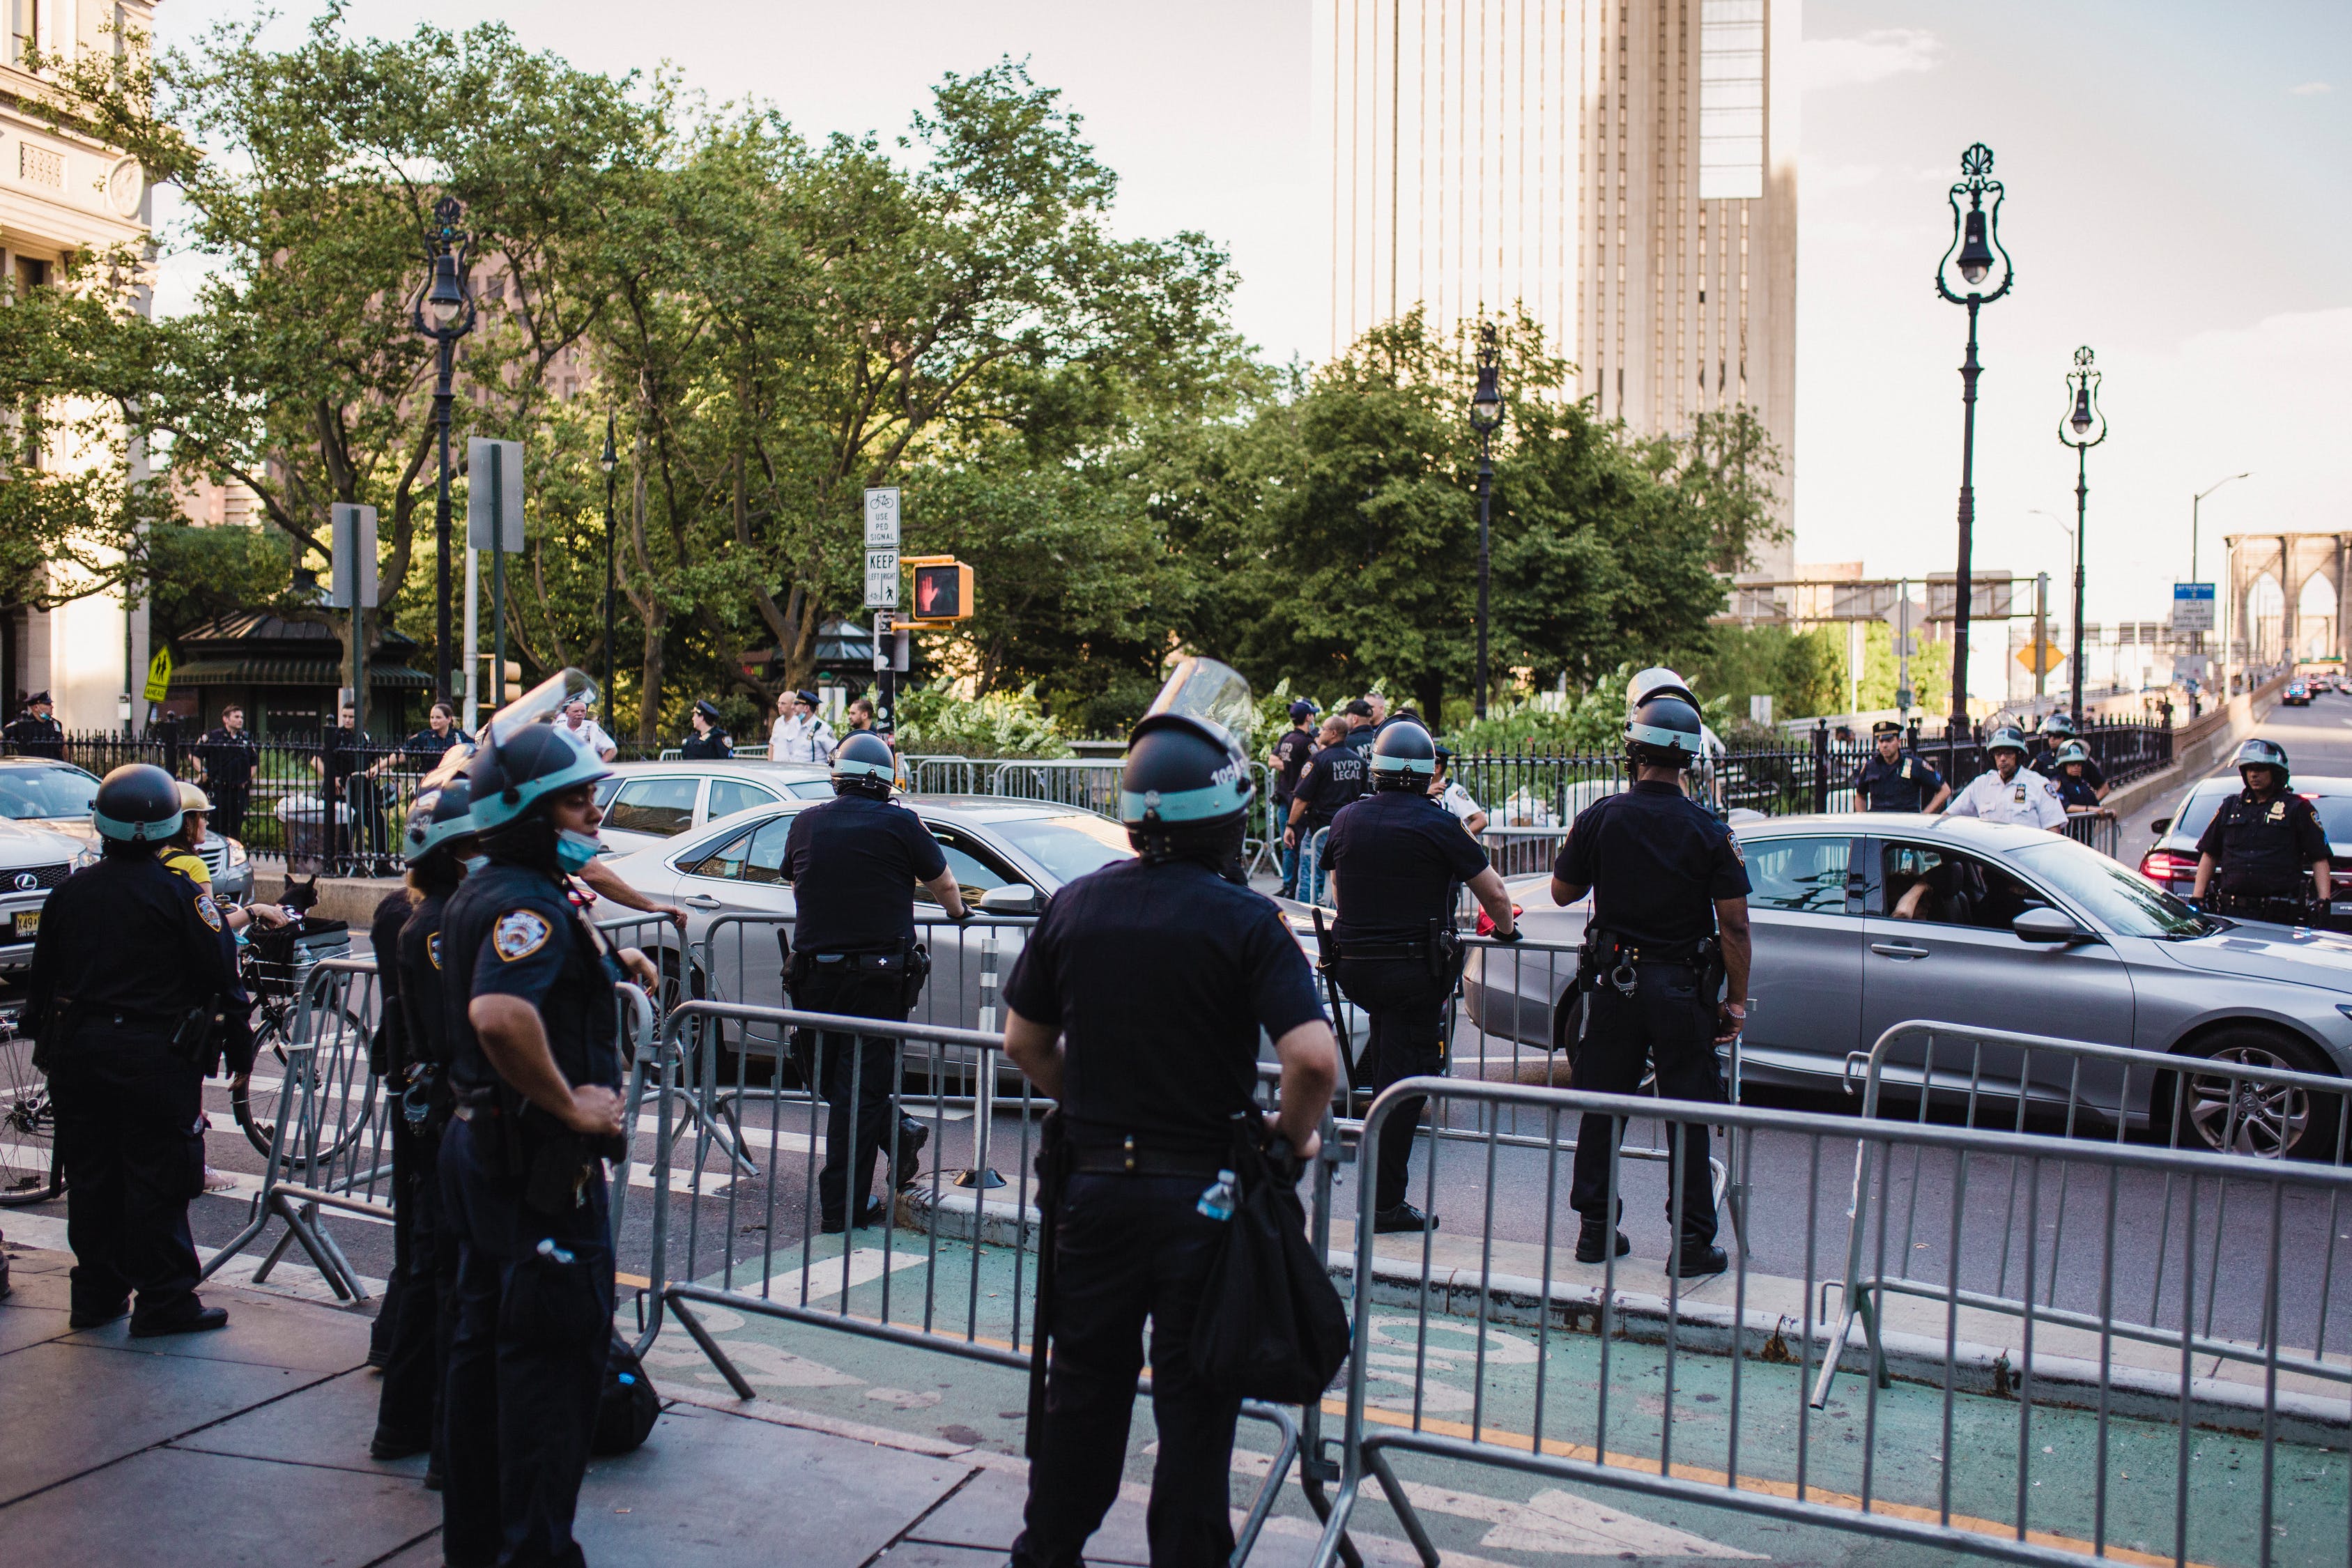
pixel 520 933
pixel 1738 853
pixel 433 949
pixel 209 911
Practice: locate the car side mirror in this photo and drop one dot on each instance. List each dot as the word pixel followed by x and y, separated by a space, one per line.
pixel 2053 927
pixel 2161 826
pixel 1012 899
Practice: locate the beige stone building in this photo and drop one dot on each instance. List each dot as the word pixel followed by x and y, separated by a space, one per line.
pixel 1625 171
pixel 59 196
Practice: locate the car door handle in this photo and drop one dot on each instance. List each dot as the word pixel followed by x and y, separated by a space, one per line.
pixel 1897 949
pixel 703 901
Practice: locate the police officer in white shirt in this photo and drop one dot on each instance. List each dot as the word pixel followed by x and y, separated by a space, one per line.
pixel 1450 794
pixel 2012 792
pixel 800 734
pixel 586 732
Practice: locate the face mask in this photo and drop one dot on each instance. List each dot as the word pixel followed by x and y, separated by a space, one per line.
pixel 574 850
pixel 475 862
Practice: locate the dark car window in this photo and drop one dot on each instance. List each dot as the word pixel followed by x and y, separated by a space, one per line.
pixel 2334 816
pixel 726 860
pixel 2196 813
pixel 658 806
pixel 31 793
pixel 728 796
pixel 1807 874
pixel 2112 895
pixel 974 867
pixel 1937 886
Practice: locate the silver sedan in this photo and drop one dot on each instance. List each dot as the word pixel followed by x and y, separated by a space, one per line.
pixel 1862 922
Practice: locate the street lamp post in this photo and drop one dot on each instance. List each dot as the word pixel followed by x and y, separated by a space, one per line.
pixel 1485 418
pixel 2198 644
pixel 1976 254
pixel 2083 418
pixel 444 312
pixel 609 461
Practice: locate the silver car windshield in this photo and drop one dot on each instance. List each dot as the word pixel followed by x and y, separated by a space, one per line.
pixel 1066 847
pixel 31 793
pixel 2115 897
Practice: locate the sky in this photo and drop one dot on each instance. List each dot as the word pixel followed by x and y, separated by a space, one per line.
pixel 2177 175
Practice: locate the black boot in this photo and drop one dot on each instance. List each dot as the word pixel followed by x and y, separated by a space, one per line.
pixel 1403 1218
pixel 907 1163
pixel 1592 1240
pixel 1698 1257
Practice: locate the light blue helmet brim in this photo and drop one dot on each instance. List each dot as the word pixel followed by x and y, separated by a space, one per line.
pixel 864 770
pixel 434 837
pixel 1653 735
pixel 494 810
pixel 1185 805
pixel 135 832
pixel 1427 765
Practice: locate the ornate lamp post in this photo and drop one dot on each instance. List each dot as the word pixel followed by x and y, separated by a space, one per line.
pixel 1975 256
pixel 2084 428
pixel 608 462
pixel 1485 418
pixel 444 312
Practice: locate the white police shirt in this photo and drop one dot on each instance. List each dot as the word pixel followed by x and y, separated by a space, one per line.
pixel 2028 799
pixel 797 740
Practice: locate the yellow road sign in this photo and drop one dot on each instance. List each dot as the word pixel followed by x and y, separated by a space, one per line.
pixel 2051 657
pixel 159 675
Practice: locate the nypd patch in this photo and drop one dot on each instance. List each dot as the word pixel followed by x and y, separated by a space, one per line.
pixel 433 949
pixel 210 911
pixel 520 933
pixel 1738 853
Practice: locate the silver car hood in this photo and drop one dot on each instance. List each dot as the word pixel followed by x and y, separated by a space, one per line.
pixel 2269 953
pixel 42 843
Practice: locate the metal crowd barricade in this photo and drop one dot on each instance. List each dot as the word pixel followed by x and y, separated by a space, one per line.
pixel 1619 1375
pixel 2101 832
pixel 1519 851
pixel 2072 1090
pixel 918 1279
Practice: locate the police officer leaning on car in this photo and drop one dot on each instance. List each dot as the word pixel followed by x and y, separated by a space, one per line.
pixel 535 1065
pixel 1668 930
pixel 1156 974
pixel 1896 781
pixel 130 977
pixel 1395 857
pixel 855 861
pixel 2261 842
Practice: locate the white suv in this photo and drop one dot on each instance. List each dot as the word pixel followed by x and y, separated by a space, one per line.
pixel 44 837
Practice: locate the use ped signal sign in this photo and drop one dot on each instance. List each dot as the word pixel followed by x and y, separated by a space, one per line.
pixel 882 548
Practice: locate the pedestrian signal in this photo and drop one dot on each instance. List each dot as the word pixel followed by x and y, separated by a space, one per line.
pixel 943 590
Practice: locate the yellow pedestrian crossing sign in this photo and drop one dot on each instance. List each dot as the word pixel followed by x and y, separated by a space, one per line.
pixel 159 675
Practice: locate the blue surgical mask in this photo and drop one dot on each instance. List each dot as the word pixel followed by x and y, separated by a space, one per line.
pixel 474 863
pixel 574 850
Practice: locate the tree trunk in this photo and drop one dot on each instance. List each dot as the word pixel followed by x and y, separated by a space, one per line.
pixel 1429 691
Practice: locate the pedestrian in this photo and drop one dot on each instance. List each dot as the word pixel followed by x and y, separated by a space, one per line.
pixel 428 745
pixel 1334 775
pixel 1447 792
pixel 854 862
pixel 130 974
pixel 536 1068
pixel 1138 1005
pixel 36 732
pixel 182 852
pixel 1285 762
pixel 420 1297
pixel 584 732
pixel 2012 792
pixel 1893 781
pixel 2253 856
pixel 800 735
pixel 1396 858
pixel 226 759
pixel 1665 971
pixel 860 714
pixel 708 743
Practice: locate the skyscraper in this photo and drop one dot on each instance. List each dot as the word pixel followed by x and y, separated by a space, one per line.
pixel 1625 171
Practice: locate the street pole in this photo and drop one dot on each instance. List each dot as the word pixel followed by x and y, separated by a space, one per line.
pixel 498 577
pixel 1485 418
pixel 2082 416
pixel 442 689
pixel 1975 252
pixel 611 461
pixel 448 299
pixel 2040 637
pixel 2082 515
pixel 1970 370
pixel 1485 482
pixel 2197 642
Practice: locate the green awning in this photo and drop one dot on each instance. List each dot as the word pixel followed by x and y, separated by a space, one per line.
pixel 264 671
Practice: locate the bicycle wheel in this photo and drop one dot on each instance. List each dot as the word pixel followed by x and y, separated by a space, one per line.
pixel 328 1085
pixel 30 1171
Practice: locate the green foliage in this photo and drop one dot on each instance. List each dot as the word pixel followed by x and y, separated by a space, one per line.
pixel 200 572
pixel 1931 670
pixel 1803 671
pixel 933 720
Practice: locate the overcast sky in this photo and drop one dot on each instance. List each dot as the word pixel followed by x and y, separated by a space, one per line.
pixel 2178 178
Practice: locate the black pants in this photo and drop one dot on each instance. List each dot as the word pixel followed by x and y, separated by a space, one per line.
pixel 228 809
pixel 1670 1024
pixel 1129 1248
pixel 425 1265
pixel 1404 1011
pixel 856 1074
pixel 130 1129
pixel 526 1363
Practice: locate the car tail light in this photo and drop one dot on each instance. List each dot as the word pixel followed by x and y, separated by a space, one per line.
pixel 2161 866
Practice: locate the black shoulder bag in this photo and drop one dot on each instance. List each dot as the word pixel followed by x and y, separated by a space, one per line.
pixel 1271 1326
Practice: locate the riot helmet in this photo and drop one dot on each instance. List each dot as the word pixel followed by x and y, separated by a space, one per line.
pixel 439 819
pixel 2072 752
pixel 2007 738
pixel 1404 757
pixel 2256 752
pixel 864 764
pixel 1185 789
pixel 1665 732
pixel 138 802
pixel 1658 681
pixel 195 799
pixel 2058 723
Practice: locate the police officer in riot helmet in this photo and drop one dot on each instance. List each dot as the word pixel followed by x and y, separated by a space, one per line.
pixel 1660 682
pixel 1895 780
pixel 1665 968
pixel 2252 855
pixel 131 1007
pixel 1136 1005
pixel 856 861
pixel 535 1066
pixel 1396 856
pixel 434 847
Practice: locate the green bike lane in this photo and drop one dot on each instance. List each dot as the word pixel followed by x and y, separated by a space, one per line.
pixel 1466 1381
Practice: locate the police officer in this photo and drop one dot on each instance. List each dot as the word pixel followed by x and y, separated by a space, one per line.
pixel 36 732
pixel 1395 857
pixel 856 861
pixel 1335 774
pixel 709 741
pixel 226 755
pixel 2072 776
pixel 1136 1005
pixel 535 1065
pixel 1284 763
pixel 1703 785
pixel 1668 930
pixel 436 842
pixel 2012 792
pixel 2254 852
pixel 1894 781
pixel 130 998
pixel 2055 732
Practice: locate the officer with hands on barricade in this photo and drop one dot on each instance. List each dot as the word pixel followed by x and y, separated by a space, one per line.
pixel 1396 856
pixel 1895 780
pixel 1138 1005
pixel 2012 792
pixel 2070 776
pixel 2260 844
pixel 854 862
pixel 2054 734
pixel 535 1065
pixel 1664 967
pixel 132 1001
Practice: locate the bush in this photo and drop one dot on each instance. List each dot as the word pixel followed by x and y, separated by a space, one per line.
pixel 934 721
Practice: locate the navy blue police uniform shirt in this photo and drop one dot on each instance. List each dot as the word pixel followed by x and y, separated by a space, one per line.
pixel 132 936
pixel 2044 760
pixel 1334 777
pixel 510 931
pixel 1906 784
pixel 1160 978
pixel 2075 792
pixel 1398 856
pixel 2264 845
pixel 425 998
pixel 854 862
pixel 1655 861
pixel 712 747
pixel 1290 754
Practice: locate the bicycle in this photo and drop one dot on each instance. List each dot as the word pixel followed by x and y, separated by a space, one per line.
pixel 30 1169
pixel 328 1073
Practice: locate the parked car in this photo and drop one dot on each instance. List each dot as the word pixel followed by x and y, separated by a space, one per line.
pixel 2171 861
pixel 648 804
pixel 57 795
pixel 2011 929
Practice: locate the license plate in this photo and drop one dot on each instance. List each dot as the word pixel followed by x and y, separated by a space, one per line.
pixel 2339 907
pixel 29 922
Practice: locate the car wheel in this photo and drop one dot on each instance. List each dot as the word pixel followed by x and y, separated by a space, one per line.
pixel 2226 1115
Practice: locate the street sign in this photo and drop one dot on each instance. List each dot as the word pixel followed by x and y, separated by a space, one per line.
pixel 882 517
pixel 352 551
pixel 881 579
pixel 159 675
pixel 1991 595
pixel 2192 607
pixel 493 494
pixel 2053 656
pixel 943 590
